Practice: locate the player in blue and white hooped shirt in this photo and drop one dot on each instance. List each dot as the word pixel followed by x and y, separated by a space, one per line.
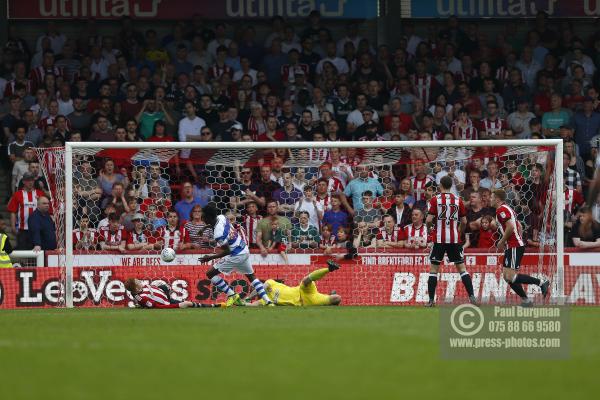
pixel 234 256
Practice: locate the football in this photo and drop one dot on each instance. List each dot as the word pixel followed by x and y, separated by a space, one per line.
pixel 167 254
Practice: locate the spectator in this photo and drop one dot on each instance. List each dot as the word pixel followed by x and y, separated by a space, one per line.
pixel 400 211
pixel 336 217
pixel 20 167
pixel 364 236
pixel 305 235
pixel 309 204
pixel 117 199
pixel 16 149
pixel 279 240
pixel 587 125
pixel 519 120
pixel 571 177
pixel 203 192
pixel 264 226
pixel 184 206
pixel 586 232
pixel 358 186
pixel 199 236
pixel 487 235
pixel 85 237
pixel 152 111
pixel 140 238
pixel 154 218
pixel 555 118
pixel 264 189
pixel 371 216
pixel 21 206
pixel 415 235
pixel 250 221
pixel 390 234
pixel 42 230
pixel 287 196
pixel 492 180
pixel 328 239
pixel 173 235
pixel 113 236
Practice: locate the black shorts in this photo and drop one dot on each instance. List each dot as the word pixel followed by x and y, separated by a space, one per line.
pixel 512 257
pixel 453 250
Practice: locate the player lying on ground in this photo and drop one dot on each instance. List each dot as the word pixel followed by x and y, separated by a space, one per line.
pixel 234 256
pixel 449 213
pixel 157 296
pixel 514 247
pixel 305 294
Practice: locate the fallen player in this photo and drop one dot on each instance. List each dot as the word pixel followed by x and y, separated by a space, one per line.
pixel 157 296
pixel 305 294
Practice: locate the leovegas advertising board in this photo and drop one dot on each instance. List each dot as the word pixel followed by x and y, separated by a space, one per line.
pixel 357 284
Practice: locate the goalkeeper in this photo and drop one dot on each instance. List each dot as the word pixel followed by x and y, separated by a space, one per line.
pixel 305 294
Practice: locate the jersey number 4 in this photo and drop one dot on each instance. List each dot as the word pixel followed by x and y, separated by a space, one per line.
pixel 444 215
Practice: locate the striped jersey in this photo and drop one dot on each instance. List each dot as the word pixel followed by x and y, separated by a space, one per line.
pixel 418 186
pixel 412 235
pixel 250 226
pixel 113 238
pixel 173 237
pixel 468 132
pixel 394 236
pixel 24 203
pixel 87 240
pixel 227 234
pixel 448 210
pixel 493 128
pixel 573 200
pixel 152 296
pixel 504 214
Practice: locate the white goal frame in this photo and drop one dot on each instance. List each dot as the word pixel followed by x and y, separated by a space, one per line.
pixel 70 146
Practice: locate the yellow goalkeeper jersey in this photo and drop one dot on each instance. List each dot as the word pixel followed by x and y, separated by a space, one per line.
pixel 284 295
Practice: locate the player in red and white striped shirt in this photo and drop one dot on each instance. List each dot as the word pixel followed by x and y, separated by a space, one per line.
pixel 173 235
pixel 390 234
pixel 451 219
pixel 414 236
pixel 514 247
pixel 114 236
pixel 157 296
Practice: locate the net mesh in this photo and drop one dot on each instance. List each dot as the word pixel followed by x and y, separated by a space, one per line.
pixel 128 204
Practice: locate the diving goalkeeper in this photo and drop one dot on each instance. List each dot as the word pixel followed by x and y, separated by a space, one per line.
pixel 305 294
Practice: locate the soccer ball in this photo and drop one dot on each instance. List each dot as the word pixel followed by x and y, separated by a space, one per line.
pixel 167 254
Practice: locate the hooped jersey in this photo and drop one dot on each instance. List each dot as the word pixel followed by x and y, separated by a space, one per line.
pixel 227 234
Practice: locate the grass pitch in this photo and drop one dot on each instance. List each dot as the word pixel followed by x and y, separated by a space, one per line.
pixel 270 353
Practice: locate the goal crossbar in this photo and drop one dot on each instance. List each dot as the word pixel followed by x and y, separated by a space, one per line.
pixel 71 146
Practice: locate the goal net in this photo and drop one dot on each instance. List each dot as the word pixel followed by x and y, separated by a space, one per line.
pixel 117 205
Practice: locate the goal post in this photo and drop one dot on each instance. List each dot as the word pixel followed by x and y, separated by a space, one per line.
pixel 378 154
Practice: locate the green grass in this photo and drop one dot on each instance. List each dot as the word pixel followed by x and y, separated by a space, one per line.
pixel 281 353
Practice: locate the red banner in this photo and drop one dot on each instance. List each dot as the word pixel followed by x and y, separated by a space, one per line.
pixel 357 284
pixel 184 9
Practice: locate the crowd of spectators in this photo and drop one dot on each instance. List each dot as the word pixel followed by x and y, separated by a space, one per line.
pixel 205 83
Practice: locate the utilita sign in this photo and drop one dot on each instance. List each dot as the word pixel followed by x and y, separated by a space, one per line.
pixel 184 9
pixel 358 284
